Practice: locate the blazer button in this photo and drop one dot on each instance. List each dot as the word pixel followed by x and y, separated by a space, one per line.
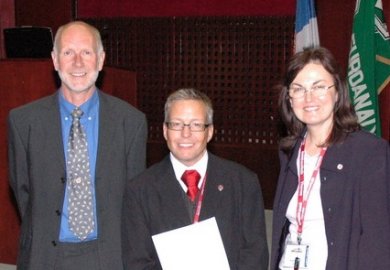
pixel 58 212
pixel 54 243
pixel 329 209
pixel 63 180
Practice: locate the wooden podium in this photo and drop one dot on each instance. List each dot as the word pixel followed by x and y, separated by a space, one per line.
pixel 23 81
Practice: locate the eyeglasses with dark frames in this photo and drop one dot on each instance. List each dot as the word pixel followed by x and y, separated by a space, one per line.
pixel 193 126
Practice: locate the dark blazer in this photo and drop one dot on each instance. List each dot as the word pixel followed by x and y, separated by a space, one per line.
pixel 355 183
pixel 154 203
pixel 37 175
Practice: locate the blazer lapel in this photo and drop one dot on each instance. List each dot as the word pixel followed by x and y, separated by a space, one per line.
pixel 215 183
pixel 106 133
pixel 53 129
pixel 289 181
pixel 172 194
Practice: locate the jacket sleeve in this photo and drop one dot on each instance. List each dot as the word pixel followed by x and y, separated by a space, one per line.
pixel 136 154
pixel 137 244
pixel 253 246
pixel 374 247
pixel 18 165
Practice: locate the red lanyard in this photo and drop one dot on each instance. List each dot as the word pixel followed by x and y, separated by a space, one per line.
pixel 200 201
pixel 303 198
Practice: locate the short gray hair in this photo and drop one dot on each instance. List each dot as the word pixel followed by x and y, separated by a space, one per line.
pixel 189 94
pixel 94 31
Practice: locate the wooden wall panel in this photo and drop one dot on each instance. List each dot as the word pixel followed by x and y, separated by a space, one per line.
pixel 44 13
pixel 171 8
pixel 7 19
pixel 235 60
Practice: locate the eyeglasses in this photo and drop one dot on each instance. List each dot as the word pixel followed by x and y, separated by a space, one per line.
pixel 316 90
pixel 193 126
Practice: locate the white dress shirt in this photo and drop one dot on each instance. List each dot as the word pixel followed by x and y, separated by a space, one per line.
pixel 179 168
pixel 313 233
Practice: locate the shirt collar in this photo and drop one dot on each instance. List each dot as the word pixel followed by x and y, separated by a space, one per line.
pixel 89 108
pixel 179 168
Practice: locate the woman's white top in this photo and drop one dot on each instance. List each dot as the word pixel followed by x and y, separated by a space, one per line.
pixel 313 233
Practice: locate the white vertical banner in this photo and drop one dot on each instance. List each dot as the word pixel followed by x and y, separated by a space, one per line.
pixel 306 27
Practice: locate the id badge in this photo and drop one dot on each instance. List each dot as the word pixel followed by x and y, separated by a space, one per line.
pixel 295 256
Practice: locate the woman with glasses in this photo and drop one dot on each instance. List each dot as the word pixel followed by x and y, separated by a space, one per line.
pixel 332 204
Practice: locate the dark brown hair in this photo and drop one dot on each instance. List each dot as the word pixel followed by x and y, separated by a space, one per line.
pixel 344 119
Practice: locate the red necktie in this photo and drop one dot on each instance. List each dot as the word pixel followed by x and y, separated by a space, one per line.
pixel 191 179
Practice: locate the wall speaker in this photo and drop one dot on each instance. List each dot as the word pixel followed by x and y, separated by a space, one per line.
pixel 28 42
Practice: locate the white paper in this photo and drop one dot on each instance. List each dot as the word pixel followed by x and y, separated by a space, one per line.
pixel 194 247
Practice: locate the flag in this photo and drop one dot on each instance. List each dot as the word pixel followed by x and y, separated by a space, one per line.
pixel 369 62
pixel 306 28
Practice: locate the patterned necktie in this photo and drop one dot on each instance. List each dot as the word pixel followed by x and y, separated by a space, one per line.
pixel 191 179
pixel 81 221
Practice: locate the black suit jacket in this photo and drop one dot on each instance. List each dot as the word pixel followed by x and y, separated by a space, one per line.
pixel 37 175
pixel 154 203
pixel 355 184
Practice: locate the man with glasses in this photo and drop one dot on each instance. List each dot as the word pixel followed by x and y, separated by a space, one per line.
pixel 163 198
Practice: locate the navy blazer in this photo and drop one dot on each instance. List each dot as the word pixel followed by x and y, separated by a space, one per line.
pixel 155 203
pixel 355 184
pixel 37 175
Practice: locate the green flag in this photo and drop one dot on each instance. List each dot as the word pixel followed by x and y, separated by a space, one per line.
pixel 369 62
